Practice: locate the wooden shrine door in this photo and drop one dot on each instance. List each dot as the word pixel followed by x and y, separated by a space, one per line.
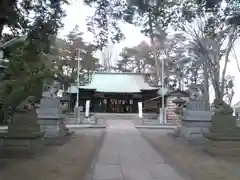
pixel 119 106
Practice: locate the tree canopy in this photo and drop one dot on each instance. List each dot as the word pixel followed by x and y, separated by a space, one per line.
pixel 211 23
pixel 37 23
pixel 72 49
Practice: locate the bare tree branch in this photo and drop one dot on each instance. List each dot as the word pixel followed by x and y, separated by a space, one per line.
pixel 236 58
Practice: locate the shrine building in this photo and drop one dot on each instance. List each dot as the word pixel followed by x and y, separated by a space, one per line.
pixel 116 93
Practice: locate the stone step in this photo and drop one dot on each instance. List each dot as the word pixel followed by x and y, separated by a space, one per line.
pixel 122 115
pixel 119 116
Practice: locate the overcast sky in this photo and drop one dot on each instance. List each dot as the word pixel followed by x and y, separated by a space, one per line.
pixel 77 13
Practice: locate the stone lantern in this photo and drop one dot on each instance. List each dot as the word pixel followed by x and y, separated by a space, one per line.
pixel 179 111
pixel 179 102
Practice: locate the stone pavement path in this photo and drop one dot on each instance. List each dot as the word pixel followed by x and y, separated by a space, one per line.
pixel 125 155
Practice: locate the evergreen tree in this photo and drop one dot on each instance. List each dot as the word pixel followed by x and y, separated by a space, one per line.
pixel 27 67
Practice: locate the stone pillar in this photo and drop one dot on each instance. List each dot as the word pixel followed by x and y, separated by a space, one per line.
pixel 51 121
pixel 160 117
pixel 196 121
pixel 23 138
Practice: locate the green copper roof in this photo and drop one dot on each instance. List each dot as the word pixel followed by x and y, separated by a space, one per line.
pixel 116 82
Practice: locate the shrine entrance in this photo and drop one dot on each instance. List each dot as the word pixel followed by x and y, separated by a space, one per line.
pixel 119 106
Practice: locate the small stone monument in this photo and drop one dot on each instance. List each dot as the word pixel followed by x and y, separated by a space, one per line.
pixel 51 119
pixel 196 119
pixel 24 136
pixel 224 135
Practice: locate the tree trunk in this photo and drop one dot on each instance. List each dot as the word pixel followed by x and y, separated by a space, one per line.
pixel 225 66
pixel 1 30
pixel 152 42
pixel 179 83
pixel 206 86
pixel 216 87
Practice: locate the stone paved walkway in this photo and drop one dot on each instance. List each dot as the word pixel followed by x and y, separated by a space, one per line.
pixel 125 155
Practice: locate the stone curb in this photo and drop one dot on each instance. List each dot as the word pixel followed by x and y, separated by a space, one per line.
pixel 3 127
pixel 71 126
pixel 155 127
pixel 79 126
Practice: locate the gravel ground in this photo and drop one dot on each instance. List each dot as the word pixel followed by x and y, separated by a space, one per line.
pixel 68 162
pixel 191 160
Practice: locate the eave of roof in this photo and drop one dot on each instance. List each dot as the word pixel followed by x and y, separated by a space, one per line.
pixel 117 82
